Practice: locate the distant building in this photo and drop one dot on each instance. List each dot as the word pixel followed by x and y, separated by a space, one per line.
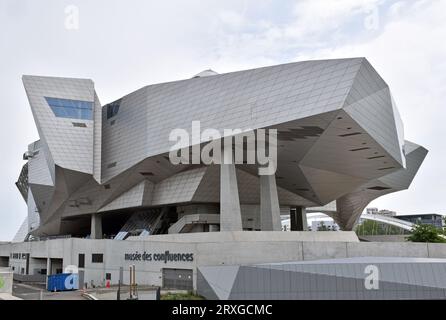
pixel 384 212
pixel 425 218
pixel 324 225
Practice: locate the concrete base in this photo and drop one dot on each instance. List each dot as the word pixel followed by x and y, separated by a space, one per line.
pixel 385 238
pixel 5 281
pixel 190 251
pixel 332 279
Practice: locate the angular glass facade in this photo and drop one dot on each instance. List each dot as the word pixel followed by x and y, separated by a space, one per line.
pixel 72 109
pixel 113 109
pixel 340 142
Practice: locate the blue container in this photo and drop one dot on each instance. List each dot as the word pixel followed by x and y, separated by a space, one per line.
pixel 63 282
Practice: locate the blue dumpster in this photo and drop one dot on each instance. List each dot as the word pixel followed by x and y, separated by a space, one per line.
pixel 63 282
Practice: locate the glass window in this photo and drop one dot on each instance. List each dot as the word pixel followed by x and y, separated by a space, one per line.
pixel 113 108
pixel 81 263
pixel 73 109
pixel 97 258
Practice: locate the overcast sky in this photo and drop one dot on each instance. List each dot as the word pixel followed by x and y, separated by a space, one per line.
pixel 126 44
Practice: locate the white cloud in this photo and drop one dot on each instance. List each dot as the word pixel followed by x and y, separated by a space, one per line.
pixel 409 53
pixel 320 16
pixel 232 19
pixel 407 49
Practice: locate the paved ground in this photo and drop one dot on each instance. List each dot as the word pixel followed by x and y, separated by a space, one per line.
pixel 7 296
pixel 38 292
pixel 144 293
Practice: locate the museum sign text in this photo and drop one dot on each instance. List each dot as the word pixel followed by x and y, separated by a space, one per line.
pixel 167 256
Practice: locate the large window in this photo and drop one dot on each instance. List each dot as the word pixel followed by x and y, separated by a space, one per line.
pixel 113 108
pixel 97 258
pixel 73 109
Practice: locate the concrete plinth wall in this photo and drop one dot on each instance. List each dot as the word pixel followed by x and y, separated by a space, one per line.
pixel 339 279
pixel 5 281
pixel 385 238
pixel 211 249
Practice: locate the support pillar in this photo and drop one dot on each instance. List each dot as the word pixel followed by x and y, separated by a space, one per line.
pixel 269 204
pixel 298 219
pixel 48 270
pixel 230 213
pixel 96 226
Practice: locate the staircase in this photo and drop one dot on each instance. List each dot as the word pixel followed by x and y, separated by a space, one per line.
pixel 145 223
pixel 188 221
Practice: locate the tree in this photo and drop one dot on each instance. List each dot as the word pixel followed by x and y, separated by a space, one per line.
pixel 425 233
pixel 368 228
pixel 444 225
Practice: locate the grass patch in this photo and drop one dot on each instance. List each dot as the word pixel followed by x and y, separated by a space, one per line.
pixel 181 296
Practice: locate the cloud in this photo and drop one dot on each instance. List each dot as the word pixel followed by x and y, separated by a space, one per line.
pixel 408 53
pixel 321 17
pixel 307 26
pixel 406 46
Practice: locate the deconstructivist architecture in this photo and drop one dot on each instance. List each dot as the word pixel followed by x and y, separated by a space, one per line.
pixel 105 171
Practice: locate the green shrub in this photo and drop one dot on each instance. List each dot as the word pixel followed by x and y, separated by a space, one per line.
pixel 181 296
pixel 426 233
